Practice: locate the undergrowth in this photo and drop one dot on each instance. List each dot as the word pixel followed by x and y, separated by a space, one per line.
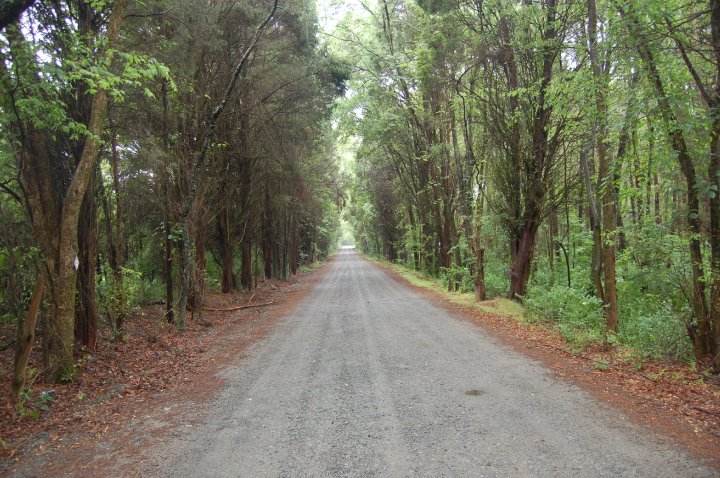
pixel 650 323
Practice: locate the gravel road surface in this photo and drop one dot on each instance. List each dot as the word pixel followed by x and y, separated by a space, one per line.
pixel 368 379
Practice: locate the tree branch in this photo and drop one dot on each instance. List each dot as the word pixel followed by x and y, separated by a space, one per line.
pixel 691 68
pixel 4 186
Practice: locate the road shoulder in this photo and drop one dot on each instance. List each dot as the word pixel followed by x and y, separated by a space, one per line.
pixel 657 404
pixel 115 437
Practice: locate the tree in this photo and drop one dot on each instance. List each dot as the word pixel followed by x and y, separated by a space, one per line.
pixel 54 208
pixel 704 337
pixel 608 292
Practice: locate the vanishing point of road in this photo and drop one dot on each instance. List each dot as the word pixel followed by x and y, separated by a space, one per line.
pixel 367 379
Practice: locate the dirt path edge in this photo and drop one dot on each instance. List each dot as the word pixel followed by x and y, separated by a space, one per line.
pixel 124 451
pixel 576 370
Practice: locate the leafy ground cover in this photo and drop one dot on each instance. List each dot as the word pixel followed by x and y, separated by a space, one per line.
pixel 119 378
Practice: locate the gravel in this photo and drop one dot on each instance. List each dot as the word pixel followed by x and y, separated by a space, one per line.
pixel 367 379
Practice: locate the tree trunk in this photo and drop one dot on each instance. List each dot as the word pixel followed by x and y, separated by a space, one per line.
pixel 226 250
pixel 294 242
pixel 62 366
pixel 267 237
pixel 196 297
pixel 107 224
pixel 246 266
pixel 594 217
pixel 553 230
pixel 714 176
pixel 167 229
pixel 54 204
pixel 714 282
pixel 200 159
pixel 480 293
pixel 86 322
pixel 168 270
pixel 521 264
pixel 606 178
pixel 26 338
pixel 118 206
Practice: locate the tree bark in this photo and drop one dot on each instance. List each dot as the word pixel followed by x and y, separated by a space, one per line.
pixel 196 297
pixel 167 216
pixel 63 266
pixel 226 249
pixel 594 218
pixel 606 179
pixel 246 266
pixel 480 292
pixel 26 338
pixel 521 264
pixel 107 224
pixel 267 237
pixel 119 242
pixel 714 176
pixel 86 320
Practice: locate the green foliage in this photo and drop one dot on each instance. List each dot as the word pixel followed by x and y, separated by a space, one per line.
pixel 653 280
pixel 17 260
pixel 497 280
pixel 658 334
pixel 576 315
pixel 78 65
pixel 459 276
pixel 119 296
pixel 32 405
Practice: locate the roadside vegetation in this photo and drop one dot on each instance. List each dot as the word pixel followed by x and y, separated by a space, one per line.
pixel 561 154
pixel 152 154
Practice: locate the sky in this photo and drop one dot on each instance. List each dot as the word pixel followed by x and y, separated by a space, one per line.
pixel 330 12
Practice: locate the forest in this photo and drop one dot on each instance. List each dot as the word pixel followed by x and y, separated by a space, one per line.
pixel 153 152
pixel 561 153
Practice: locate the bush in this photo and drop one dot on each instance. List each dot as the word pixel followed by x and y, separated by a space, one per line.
pixel 576 315
pixel 657 335
pixel 460 276
pixel 120 296
pixel 497 280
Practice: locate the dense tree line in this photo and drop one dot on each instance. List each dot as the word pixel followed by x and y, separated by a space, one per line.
pixel 150 147
pixel 561 152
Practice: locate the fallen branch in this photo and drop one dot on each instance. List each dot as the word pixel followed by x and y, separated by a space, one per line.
pixel 7 346
pixel 233 309
pixel 705 410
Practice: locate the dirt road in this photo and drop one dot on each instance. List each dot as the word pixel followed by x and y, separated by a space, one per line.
pixel 368 379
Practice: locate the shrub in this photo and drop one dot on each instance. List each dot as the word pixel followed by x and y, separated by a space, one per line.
pixel 576 315
pixel 660 334
pixel 120 296
pixel 497 281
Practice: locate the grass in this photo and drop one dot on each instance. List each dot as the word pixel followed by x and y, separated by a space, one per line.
pixel 498 306
pixel 572 313
pixel 312 267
